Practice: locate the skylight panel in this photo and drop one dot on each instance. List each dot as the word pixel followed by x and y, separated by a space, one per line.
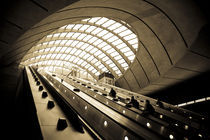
pixel 76 60
pixel 104 69
pixel 106 47
pixel 73 51
pixel 86 19
pixel 90 68
pixel 129 37
pixel 115 68
pixel 135 46
pixel 56 35
pixel 63 56
pixel 82 54
pixel 58 63
pixel 67 57
pixel 97 42
pixel 112 39
pixel 105 58
pixel 87 37
pixel 117 57
pixel 120 29
pixel 63 34
pixel 77 26
pixel 58 56
pixel 49 62
pixel 79 44
pixel 47 49
pixel 116 42
pixel 110 51
pixel 108 23
pixel 42 50
pixel 89 48
pixel 90 29
pixel 63 49
pixel 45 43
pixel 74 43
pixel 84 27
pixel 38 57
pixel 122 45
pixel 69 34
pixel 51 42
pixel 81 36
pixel 102 33
pixel 94 61
pixel 48 36
pixel 134 41
pixel 68 50
pixel 48 56
pixel 121 61
pixel 97 30
pixel 114 54
pixel 107 36
pixel 57 42
pixel 131 57
pixel 93 50
pixel 75 35
pixel 97 63
pixel 114 26
pixel 90 58
pixel 78 52
pixel 69 42
pixel 129 53
pixel 125 65
pixel 58 49
pixel 124 33
pixel 108 62
pixel 80 61
pixel 94 71
pixel 93 20
pixel 118 72
pixel 63 42
pixel 84 46
pixel 101 66
pixel 97 73
pixel 125 49
pixel 112 65
pixel 84 63
pixel 72 58
pixel 102 44
pixel 102 55
pixel 32 59
pixel 98 53
pixel 101 21
pixel 63 27
pixel 70 26
pixel 92 39
pixel 86 56
pixel 87 66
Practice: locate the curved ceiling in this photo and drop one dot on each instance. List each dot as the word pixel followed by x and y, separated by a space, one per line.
pixel 97 44
pixel 170 47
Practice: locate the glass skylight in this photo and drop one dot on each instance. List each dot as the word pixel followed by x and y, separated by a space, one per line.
pixel 95 45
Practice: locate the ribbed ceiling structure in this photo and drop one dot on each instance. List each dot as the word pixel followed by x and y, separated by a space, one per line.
pixel 95 45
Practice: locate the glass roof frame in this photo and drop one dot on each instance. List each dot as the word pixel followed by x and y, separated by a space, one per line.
pixel 110 42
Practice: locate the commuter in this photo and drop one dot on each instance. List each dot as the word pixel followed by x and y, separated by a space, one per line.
pixel 148 108
pixel 134 102
pixel 112 93
pixel 159 103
